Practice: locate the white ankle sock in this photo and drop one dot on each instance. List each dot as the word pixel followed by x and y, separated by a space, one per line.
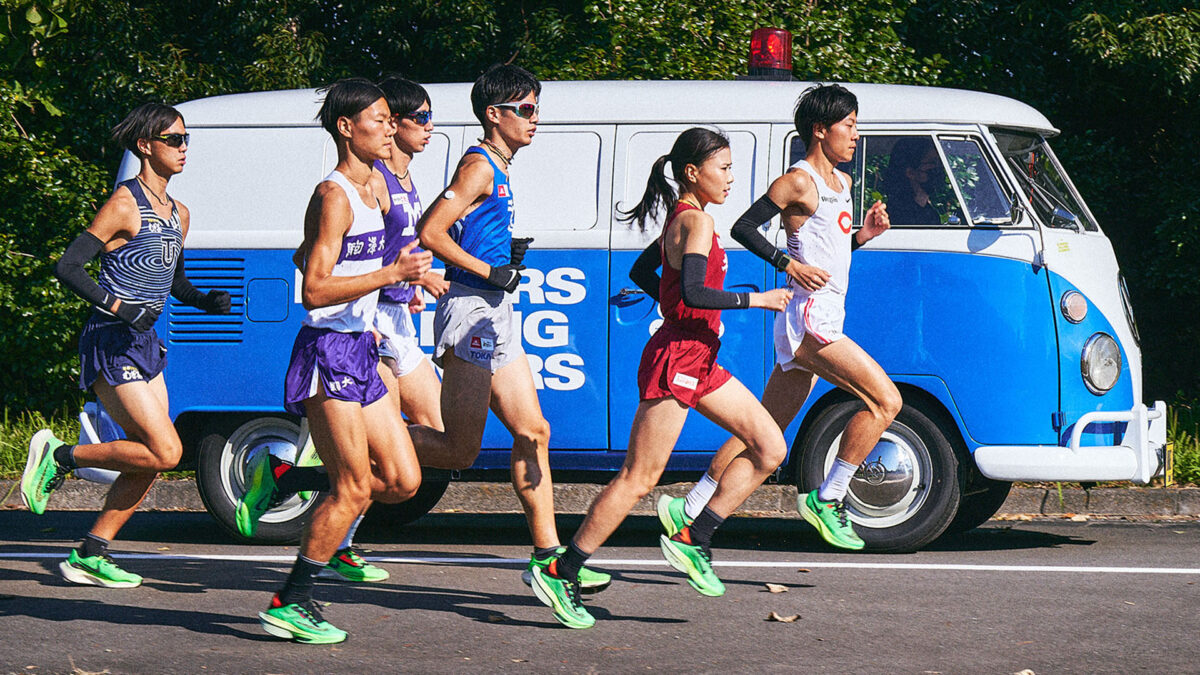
pixel 698 498
pixel 837 482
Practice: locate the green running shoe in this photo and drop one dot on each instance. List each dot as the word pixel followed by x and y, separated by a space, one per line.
pixel 42 474
pixel 831 521
pixel 590 581
pixel 348 565
pixel 692 560
pixel 560 595
pixel 299 622
pixel 260 495
pixel 307 456
pixel 672 515
pixel 97 570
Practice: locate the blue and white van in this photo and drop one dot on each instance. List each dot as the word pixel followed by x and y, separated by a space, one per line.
pixel 996 306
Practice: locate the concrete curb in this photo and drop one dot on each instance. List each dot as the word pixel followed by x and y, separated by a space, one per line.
pixel 778 501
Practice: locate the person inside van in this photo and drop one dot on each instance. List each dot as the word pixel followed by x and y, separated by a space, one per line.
pixel 679 371
pixel 139 235
pixel 815 201
pixel 477 341
pixel 333 375
pixel 912 171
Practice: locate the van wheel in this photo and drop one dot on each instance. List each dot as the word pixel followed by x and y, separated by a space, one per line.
pixel 980 501
pixel 433 486
pixel 906 493
pixel 221 468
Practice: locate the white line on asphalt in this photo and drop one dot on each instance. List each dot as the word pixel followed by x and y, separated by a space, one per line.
pixel 633 562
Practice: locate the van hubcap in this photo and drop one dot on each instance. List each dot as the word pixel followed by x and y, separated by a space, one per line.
pixel 892 483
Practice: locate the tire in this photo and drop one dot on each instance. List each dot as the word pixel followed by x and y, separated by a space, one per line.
pixel 907 491
pixel 394 515
pixel 221 465
pixel 980 501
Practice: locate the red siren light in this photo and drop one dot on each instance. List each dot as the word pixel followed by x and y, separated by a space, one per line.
pixel 771 53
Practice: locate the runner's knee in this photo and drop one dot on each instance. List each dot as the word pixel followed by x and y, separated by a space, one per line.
pixel 891 403
pixel 533 435
pixel 167 450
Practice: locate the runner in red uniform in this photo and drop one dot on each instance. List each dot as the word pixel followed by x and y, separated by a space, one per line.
pixel 679 371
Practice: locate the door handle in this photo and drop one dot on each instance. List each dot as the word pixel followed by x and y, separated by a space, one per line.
pixel 626 292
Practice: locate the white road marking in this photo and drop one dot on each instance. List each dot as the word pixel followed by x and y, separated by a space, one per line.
pixel 633 562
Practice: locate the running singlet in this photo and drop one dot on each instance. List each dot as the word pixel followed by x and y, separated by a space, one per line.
pixel 362 252
pixel 486 232
pixel 400 228
pixel 824 239
pixel 670 288
pixel 142 269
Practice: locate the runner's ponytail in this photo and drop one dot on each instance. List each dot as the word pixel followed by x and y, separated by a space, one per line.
pixel 658 193
pixel 692 147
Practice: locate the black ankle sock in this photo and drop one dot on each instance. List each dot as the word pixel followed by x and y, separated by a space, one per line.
pixel 703 527
pixel 299 584
pixel 92 545
pixel 64 456
pixel 543 553
pixel 570 562
pixel 298 478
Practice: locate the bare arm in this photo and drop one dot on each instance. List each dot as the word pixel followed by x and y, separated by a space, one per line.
pixel 472 183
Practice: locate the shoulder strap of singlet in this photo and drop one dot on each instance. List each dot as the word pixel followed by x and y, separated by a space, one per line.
pixel 139 195
pixel 475 149
pixel 676 210
pixel 341 181
pixel 803 164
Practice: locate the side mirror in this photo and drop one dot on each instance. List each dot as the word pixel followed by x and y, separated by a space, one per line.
pixel 1064 219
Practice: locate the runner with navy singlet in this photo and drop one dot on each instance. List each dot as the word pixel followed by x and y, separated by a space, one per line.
pixel 814 198
pixel 139 235
pixel 678 371
pixel 333 376
pixel 476 339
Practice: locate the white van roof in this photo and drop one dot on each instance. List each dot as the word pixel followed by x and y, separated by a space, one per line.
pixel 650 102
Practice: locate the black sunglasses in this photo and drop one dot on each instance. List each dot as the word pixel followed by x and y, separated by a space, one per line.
pixel 173 140
pixel 421 117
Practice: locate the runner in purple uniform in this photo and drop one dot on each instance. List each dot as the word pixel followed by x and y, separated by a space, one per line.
pixel 333 376
pixel 138 234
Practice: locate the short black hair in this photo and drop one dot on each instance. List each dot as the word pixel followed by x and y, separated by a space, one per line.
pixel 403 95
pixel 347 98
pixel 145 121
pixel 824 104
pixel 502 84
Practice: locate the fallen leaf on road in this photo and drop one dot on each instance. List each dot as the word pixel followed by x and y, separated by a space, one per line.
pixel 1079 519
pixel 777 588
pixel 495 618
pixel 518 660
pixel 774 616
pixel 1130 603
pixel 1024 672
pixel 164 548
pixel 803 570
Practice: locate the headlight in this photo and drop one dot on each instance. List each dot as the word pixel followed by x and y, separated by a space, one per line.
pixel 1101 363
pixel 1074 306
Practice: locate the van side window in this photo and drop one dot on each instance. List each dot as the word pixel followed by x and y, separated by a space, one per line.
pixel 907 174
pixel 797 151
pixel 985 198
pixel 570 198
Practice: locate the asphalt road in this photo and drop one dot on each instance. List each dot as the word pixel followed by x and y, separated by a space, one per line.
pixel 1051 597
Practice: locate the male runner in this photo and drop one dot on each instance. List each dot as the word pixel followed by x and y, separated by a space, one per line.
pixel 814 198
pixel 139 234
pixel 333 377
pixel 477 343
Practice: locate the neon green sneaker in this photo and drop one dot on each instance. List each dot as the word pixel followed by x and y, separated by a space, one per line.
pixel 672 515
pixel 590 581
pixel 831 521
pixel 260 495
pixel 42 474
pixel 299 622
pixel 97 570
pixel 560 595
pixel 692 560
pixel 307 456
pixel 348 565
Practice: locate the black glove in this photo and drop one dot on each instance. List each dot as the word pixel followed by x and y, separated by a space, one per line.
pixel 517 251
pixel 215 302
pixel 506 277
pixel 140 315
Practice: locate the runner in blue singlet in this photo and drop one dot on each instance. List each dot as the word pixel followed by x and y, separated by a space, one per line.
pixel 138 234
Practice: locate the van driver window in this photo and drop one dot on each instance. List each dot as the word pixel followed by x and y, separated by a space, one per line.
pixel 906 173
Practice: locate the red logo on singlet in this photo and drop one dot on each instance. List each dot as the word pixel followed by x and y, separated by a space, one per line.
pixel 475 344
pixel 502 191
pixel 845 221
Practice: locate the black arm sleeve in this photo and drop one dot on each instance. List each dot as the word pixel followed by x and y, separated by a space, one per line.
pixel 854 245
pixel 182 288
pixel 644 272
pixel 699 296
pixel 745 232
pixel 69 270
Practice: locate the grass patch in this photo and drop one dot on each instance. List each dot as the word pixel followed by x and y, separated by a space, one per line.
pixel 1183 429
pixel 17 428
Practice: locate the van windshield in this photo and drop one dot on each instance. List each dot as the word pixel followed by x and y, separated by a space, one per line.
pixel 1044 181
